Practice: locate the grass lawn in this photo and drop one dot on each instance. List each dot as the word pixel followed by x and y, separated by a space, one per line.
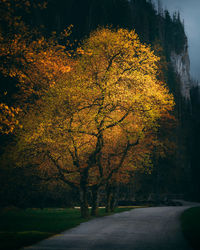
pixel 20 228
pixel 190 221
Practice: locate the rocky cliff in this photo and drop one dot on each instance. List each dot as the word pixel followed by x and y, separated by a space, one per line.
pixel 181 64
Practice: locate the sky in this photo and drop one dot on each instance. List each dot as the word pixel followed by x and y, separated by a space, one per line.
pixel 190 13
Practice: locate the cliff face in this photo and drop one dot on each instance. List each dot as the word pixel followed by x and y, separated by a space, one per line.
pixel 181 64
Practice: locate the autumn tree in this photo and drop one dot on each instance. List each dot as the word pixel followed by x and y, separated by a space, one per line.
pixel 11 26
pixel 89 123
pixel 34 61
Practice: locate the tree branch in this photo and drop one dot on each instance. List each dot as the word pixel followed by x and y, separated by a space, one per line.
pixel 117 122
pixel 60 171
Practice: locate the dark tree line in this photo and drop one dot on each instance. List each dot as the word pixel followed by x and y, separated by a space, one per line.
pixel 195 141
pixel 140 15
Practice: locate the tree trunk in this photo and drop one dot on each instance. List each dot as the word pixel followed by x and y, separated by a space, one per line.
pixel 108 198
pixel 114 199
pixel 84 194
pixel 95 201
pixel 112 203
pixel 84 202
pixel 111 197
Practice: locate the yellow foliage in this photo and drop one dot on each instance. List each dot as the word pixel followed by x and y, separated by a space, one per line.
pixel 107 105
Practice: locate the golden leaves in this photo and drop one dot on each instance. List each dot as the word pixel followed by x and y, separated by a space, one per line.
pixel 8 120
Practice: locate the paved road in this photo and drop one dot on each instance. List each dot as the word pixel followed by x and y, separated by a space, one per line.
pixel 155 228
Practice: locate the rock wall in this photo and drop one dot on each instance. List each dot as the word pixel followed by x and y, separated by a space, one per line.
pixel 181 63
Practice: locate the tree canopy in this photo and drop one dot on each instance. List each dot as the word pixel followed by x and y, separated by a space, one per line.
pixel 102 115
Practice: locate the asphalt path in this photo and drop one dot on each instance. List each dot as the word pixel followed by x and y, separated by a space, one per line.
pixel 154 228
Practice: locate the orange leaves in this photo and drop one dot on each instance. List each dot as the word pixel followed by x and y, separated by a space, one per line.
pixel 35 61
pixel 8 120
pixel 37 64
pixel 80 51
pixel 50 65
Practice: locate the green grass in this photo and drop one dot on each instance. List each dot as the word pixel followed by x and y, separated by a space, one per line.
pixel 20 228
pixel 190 221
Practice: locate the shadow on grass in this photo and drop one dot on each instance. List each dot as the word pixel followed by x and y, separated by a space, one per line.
pixel 190 222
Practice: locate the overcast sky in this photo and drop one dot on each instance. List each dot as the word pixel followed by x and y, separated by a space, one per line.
pixel 190 12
